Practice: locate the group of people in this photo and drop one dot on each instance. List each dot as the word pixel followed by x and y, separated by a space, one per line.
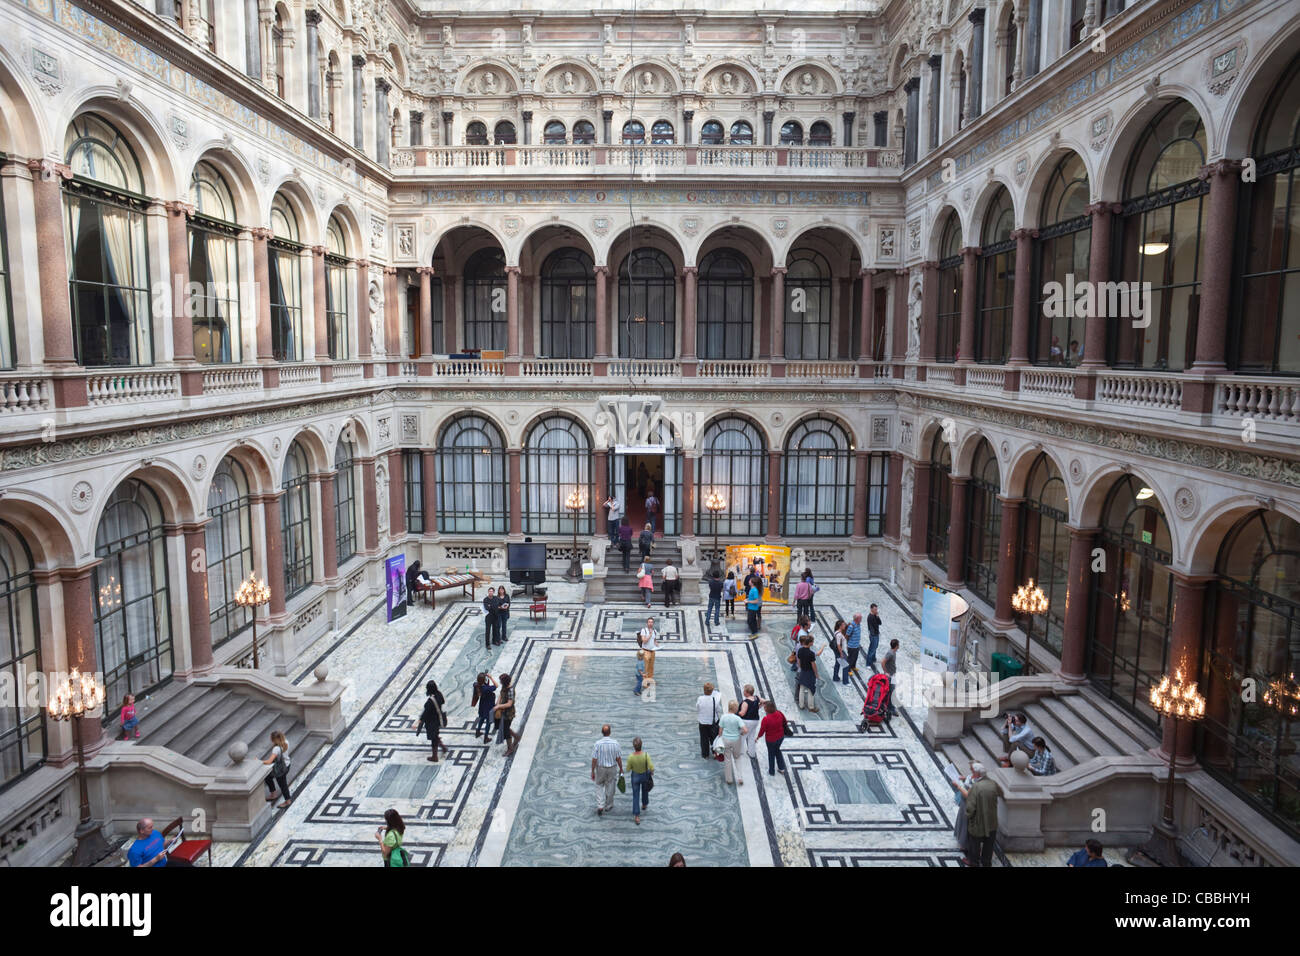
pixel 1017 734
pixel 670 578
pixel 496 614
pixel 734 734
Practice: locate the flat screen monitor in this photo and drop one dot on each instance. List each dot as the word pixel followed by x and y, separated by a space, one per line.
pixel 526 556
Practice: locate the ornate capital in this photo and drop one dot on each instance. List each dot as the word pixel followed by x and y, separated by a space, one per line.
pixel 417 116
pixel 49 169
pixel 779 270
pixel 363 263
pixel 692 270
pixel 1223 167
pixel 448 116
pixel 935 62
pixel 176 207
pixel 1022 233
pixel 358 61
pixel 260 233
pixel 977 16
pixel 390 270
pixel 382 85
pixel 688 115
pixel 1103 208
pixel 868 273
pixel 318 251
pixel 601 270
pixel 929 266
pixel 424 270
pixel 512 270
pixel 313 17
pixel 969 251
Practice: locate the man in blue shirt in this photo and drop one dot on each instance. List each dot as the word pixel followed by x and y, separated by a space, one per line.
pixel 148 848
pixel 1090 855
pixel 854 634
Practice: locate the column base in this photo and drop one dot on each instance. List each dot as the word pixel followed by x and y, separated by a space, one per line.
pixel 91 845
pixel 1160 850
pixel 326 370
pixel 191 381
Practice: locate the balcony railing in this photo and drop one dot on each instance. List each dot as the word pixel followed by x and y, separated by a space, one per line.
pixel 24 393
pixel 713 368
pixel 299 374
pixel 468 368
pixel 1267 399
pixel 645 368
pixel 941 374
pixel 226 380
pixel 556 368
pixel 131 386
pixel 1158 390
pixel 348 370
pixel 982 379
pixel 1047 383
pixel 820 370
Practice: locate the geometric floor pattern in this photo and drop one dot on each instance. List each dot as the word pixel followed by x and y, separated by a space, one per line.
pixel 849 798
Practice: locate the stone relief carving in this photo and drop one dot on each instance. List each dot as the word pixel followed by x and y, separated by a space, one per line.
pixel 406 241
pixel 648 79
pixel 46 72
pixel 808 81
pixel 381 497
pixel 489 82
pixel 727 82
pixel 82 497
pixel 914 323
pixel 888 243
pixel 376 317
pixel 905 505
pixel 1223 68
pixel 914 236
pixel 567 80
pixel 410 428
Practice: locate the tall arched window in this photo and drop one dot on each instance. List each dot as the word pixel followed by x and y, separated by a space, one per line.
pixel 296 521
pixel 228 545
pixel 1009 53
pixel 471 477
pixel 7 341
pixel 647 305
pixel 742 133
pixel 503 134
pixel 557 460
pixel 940 504
pixel 279 51
pixel 711 133
pixel 1045 549
pixel 108 264
pixel 983 523
pixel 1161 224
pixel 285 250
pixel 817 493
pixel 633 133
pixel 1061 250
pixel 662 133
pixel 1252 628
pixel 1265 335
pixel 476 134
pixel 584 133
pixel 214 266
pixel 130 600
pixel 819 134
pixel 733 462
pixel 725 306
pixel 345 501
pixel 339 294
pixel 997 278
pixel 568 305
pixel 949 275
pixel 807 305
pixel 485 300
pixel 22 727
pixel 554 133
pixel 1132 598
pixel 791 133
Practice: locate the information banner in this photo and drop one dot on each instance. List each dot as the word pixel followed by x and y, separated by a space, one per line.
pixel 936 628
pixel 396 574
pixel 773 563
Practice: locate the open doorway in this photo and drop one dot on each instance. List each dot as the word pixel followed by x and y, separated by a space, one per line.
pixel 638 471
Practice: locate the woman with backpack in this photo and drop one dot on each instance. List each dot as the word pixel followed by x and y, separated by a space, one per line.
pixel 278 761
pixel 646 542
pixel 433 719
pixel 504 711
pixel 390 840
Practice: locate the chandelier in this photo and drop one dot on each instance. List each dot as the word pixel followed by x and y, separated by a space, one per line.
pixel 1177 698
pixel 1029 599
pixel 1284 696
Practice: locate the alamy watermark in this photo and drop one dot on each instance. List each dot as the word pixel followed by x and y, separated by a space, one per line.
pixel 1084 299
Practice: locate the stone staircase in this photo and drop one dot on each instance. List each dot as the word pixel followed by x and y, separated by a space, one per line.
pixel 621 587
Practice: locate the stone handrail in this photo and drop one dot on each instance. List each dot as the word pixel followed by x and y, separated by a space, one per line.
pixel 985 379
pixel 303 374
pixel 1047 382
pixel 1140 389
pixel 714 368
pixel 645 368
pixel 1271 400
pixel 131 386
pixel 821 370
pixel 624 156
pixel 223 380
pixel 467 368
pixel 24 393
pixel 347 370
pixel 941 374
pixel 556 368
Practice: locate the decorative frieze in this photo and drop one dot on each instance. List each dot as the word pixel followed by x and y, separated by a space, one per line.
pixel 308 616
pixel 30 827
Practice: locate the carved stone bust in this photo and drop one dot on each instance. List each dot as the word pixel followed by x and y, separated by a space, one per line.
pixel 567 82
pixel 489 82
pixel 807 83
pixel 648 82
pixel 728 83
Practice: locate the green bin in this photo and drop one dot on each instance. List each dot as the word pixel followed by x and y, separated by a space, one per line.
pixel 1004 665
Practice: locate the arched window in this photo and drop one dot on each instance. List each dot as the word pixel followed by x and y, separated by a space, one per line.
pixel 662 133
pixel 554 133
pixel 568 305
pixel 279 51
pixel 584 133
pixel 108 241
pixel 22 727
pixel 345 501
pixel 647 305
pixel 633 133
pixel 1252 627
pixel 725 306
pixel 711 133
pixel 339 294
pixel 983 523
pixel 471 477
pixel 940 503
pixel 476 134
pixel 1061 250
pixel 791 133
pixel 996 281
pixel 817 493
pixel 130 601
pixel 485 299
pixel 285 250
pixel 742 133
pixel 948 310
pixel 733 462
pixel 807 305
pixel 1045 549
pixel 214 266
pixel 557 460
pixel 503 134
pixel 1009 54
pixel 296 521
pixel 1132 598
pixel 1161 223
pixel 1265 334
pixel 1078 9
pixel 228 546
pixel 819 134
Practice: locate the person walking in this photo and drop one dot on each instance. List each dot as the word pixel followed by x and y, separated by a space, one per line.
pixel 890 667
pixel 278 761
pixel 873 634
pixel 606 766
pixel 641 769
pixel 961 790
pixel 625 543
pixel 503 615
pixel 651 510
pixel 754 580
pixel 802 628
pixel 981 818
pixel 714 607
pixel 853 642
pixel 672 583
pixel 485 698
pixel 504 712
pixel 729 593
pixel 614 511
pixel 772 729
pixel 645 542
pixel 753 607
pixel 640 672
pixel 708 708
pixel 733 742
pixel 490 604
pixel 432 719
pixel 391 835
pixel 646 583
pixel 807 679
pixel 803 597
pixel 648 640
pixel 840 651
pixel 751 712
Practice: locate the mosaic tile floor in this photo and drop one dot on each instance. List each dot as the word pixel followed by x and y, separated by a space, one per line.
pixel 850 798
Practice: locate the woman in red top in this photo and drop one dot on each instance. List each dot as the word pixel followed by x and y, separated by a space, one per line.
pixel 772 730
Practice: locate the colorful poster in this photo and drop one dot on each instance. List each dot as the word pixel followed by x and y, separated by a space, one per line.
pixel 771 561
pixel 396 573
pixel 936 628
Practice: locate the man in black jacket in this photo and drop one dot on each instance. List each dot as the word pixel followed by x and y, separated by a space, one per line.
pixel 490 605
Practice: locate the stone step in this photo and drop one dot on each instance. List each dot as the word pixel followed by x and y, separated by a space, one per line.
pixel 1095 713
pixel 987 737
pixel 212 721
pixel 159 723
pixel 249 719
pixel 1067 748
pixel 1057 713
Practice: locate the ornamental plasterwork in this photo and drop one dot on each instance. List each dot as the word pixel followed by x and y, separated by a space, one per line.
pixel 511 225
pixel 690 225
pixel 808 81
pixel 406 241
pixel 568 79
pixel 780 226
pixel 490 81
pixel 600 225
pixel 727 81
pixel 83 495
pixel 410 428
pixel 888 248
pixel 648 80
pixel 46 71
pixel 914 236
pixel 1021 169
pixel 1224 66
pixel 1099 128
pixel 199 467
pixel 179 130
pixel 376 234
pixel 646 194
pixel 1185 502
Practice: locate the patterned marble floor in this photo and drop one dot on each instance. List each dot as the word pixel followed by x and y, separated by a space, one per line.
pixel 850 798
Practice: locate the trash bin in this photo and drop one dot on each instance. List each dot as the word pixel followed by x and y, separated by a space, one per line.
pixel 1004 665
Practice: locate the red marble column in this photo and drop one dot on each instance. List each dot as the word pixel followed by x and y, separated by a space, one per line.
pixel 920 507
pixel 178 252
pixel 966 337
pixel 369 501
pixel 426 312
pixel 329 531
pixel 1078 588
pixel 512 318
pixel 860 468
pixel 690 292
pixel 396 494
pixel 363 313
pixel 1099 268
pixel 894 497
pixel 602 319
pixel 688 496
pixel 1022 298
pixel 429 474
pixel 319 300
pixel 957 532
pixel 1184 655
pixel 778 321
pixel 899 351
pixel 274 564
pixel 600 461
pixel 52 254
pixel 516 492
pixel 262 287
pixel 1216 285
pixel 866 324
pixel 78 599
pixel 773 495
pixel 1008 559
pixel 196 592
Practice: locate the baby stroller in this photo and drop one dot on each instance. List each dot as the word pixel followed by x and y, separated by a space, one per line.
pixel 875 708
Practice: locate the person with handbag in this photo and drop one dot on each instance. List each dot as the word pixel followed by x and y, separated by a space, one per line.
pixel 505 713
pixel 390 837
pixel 840 650
pixel 278 761
pixel 485 699
pixel 773 729
pixel 432 719
pixel 646 583
pixel 733 731
pixel 641 769
pixel 751 712
pixel 708 708
pixel 807 679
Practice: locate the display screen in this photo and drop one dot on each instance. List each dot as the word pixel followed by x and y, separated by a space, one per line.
pixel 526 556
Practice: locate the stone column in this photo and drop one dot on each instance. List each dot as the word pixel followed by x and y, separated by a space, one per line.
pixel 426 313
pixel 358 97
pixel 976 17
pixel 1008 563
pixel 1022 294
pixel 392 320
pixel 262 280
pixel 936 84
pixel 929 322
pixel 920 505
pixel 396 494
pixel 196 593
pixel 516 492
pixel 894 497
pixel 607 119
pixel 1185 655
pixel 768 116
pixel 773 494
pixel 319 300
pixel 512 320
pixel 687 117
pixel 78 599
pixel 182 321
pixel 867 324
pixel 417 128
pixel 1216 284
pixel 329 532
pixel 1078 589
pixel 429 474
pixel 369 502
pixel 447 133
pixel 690 294
pixel 688 495
pixel 363 313
pixel 1099 252
pixel 848 116
pixel 252 41
pixel 1018 64
pixel 382 120
pixel 860 469
pixel 273 566
pixel 600 461
pixel 778 321
pixel 313 65
pixel 957 532
pixel 911 134
pixel 969 284
pixel 899 351
pixel 1033 37
pixel 56 301
pixel 602 320
pixel 527 117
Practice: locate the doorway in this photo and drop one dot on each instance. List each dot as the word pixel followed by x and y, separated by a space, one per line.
pixel 635 472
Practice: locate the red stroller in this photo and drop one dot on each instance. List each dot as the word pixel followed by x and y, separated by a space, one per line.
pixel 875 709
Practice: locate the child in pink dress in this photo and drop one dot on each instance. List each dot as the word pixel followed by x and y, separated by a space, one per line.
pixel 130 722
